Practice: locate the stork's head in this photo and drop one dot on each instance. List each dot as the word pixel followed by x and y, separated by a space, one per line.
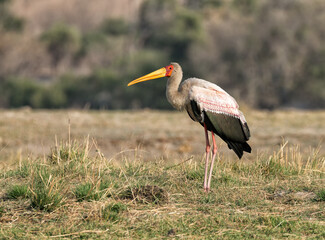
pixel 162 72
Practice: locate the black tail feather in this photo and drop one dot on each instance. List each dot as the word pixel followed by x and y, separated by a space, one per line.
pixel 239 147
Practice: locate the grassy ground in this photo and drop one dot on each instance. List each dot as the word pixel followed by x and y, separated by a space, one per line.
pixel 140 175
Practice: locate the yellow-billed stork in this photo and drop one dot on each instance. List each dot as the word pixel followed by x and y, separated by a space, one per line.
pixel 208 104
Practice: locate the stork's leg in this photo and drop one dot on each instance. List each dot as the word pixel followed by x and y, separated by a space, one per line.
pixel 207 151
pixel 214 153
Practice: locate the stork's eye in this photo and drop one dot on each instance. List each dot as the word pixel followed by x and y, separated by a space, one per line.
pixel 170 68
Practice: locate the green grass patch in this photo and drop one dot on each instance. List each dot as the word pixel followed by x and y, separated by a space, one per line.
pixel 273 167
pixel 195 174
pixel 18 191
pixel 65 152
pixel 112 211
pixel 23 171
pixel 46 190
pixel 2 211
pixel 77 193
pixel 90 191
pixel 320 195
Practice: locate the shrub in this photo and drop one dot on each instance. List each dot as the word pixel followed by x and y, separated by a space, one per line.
pixel 20 91
pixel 115 26
pixel 61 40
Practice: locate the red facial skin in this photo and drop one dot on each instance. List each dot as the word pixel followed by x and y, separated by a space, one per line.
pixel 169 70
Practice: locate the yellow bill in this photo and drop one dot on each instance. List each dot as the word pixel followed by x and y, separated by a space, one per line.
pixel 156 74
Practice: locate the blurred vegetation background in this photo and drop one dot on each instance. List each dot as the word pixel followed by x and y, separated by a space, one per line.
pixel 81 54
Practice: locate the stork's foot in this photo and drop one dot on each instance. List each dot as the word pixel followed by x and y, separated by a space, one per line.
pixel 206 190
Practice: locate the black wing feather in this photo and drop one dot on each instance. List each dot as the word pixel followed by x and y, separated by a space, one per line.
pixel 228 128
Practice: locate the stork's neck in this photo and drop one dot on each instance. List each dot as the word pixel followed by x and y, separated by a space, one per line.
pixel 174 92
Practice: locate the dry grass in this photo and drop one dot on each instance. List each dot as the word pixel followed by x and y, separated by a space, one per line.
pixel 139 175
pixel 151 134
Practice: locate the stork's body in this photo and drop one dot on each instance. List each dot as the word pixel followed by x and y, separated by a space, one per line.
pixel 209 105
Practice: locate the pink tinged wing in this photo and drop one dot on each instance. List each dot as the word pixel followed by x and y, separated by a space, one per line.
pixel 216 100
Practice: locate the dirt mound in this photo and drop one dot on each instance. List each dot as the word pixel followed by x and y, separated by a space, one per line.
pixel 146 194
